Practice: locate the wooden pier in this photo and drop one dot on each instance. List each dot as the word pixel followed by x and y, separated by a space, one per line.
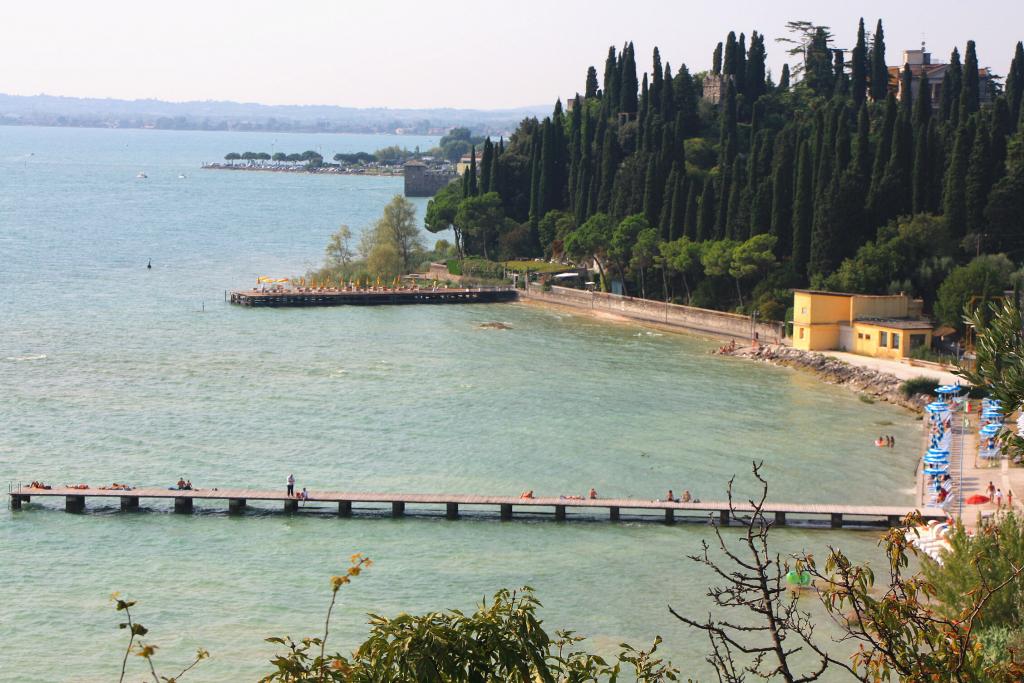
pixel 369 297
pixel 562 509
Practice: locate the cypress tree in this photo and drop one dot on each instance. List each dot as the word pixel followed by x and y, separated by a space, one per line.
pixel 783 165
pixel 818 73
pixel 536 182
pixel 978 181
pixel 922 176
pixel 472 173
pixel 969 92
pixel 841 80
pixel 802 210
pixel 680 195
pixel 936 165
pixel 716 60
pixel 883 150
pixel 784 79
pixel 952 82
pixel 609 165
pixel 611 92
pixel 722 210
pixel 740 70
pixel 906 90
pixel 954 199
pixel 657 80
pixel 668 99
pixel 692 203
pixel 862 144
pixel 653 187
pixel 668 195
pixel 685 95
pixel 628 94
pixel 729 62
pixel 728 125
pixel 548 174
pixel 1015 84
pixel 591 87
pixel 879 70
pixel 923 103
pixel 575 149
pixel 755 76
pixel 859 67
pixel 707 212
pixel 999 131
pixel 735 226
pixel 486 162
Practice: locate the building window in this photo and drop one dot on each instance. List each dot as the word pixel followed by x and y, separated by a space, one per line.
pixel 895 340
pixel 883 338
pixel 916 340
pixel 860 335
pixel 801 333
pixel 803 310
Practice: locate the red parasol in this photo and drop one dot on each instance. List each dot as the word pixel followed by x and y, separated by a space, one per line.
pixel 977 499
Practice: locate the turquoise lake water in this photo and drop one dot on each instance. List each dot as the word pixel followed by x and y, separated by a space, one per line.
pixel 112 372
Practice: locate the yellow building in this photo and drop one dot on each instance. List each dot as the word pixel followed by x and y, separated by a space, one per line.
pixel 887 326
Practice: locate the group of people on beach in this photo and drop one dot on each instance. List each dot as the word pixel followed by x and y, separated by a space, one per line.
pixel 885 441
pixel 995 495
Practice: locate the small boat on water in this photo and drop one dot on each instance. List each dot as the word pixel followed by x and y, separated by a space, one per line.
pixel 141 174
pixel 182 176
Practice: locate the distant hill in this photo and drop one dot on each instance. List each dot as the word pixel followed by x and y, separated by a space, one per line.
pixel 49 110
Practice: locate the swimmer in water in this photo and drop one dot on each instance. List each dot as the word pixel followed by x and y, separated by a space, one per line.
pixel 149 266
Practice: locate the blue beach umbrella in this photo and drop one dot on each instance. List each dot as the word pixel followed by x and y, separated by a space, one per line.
pixel 935 471
pixel 948 389
pixel 991 430
pixel 938 452
pixel 937 407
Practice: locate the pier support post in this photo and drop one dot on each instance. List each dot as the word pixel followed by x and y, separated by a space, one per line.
pixel 723 517
pixel 894 520
pixel 397 508
pixel 344 508
pixel 129 503
pixel 291 505
pixel 183 505
pixel 17 500
pixel 780 519
pixel 452 511
pixel 837 520
pixel 560 513
pixel 506 511
pixel 670 516
pixel 74 503
pixel 236 505
pixel 613 514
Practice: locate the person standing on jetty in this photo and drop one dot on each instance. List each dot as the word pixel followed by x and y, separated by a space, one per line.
pixel 291 484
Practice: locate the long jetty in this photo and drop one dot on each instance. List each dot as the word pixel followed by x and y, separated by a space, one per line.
pixel 308 296
pixel 613 509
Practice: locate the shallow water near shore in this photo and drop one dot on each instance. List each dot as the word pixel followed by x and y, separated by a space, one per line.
pixel 112 372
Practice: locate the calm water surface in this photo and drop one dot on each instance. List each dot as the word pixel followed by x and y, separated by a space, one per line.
pixel 111 372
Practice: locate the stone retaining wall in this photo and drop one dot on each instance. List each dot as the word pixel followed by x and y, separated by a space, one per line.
pixel 688 317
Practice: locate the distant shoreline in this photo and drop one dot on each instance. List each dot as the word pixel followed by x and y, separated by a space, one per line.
pixel 321 170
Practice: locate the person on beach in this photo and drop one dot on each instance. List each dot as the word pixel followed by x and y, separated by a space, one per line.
pixel 991 490
pixel 291 484
pixel 999 499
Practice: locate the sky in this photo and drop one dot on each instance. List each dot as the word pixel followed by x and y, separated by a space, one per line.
pixel 477 54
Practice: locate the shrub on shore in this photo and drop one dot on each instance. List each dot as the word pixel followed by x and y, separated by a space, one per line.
pixel 918 385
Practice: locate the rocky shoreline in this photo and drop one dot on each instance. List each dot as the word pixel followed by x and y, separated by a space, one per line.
pixel 875 385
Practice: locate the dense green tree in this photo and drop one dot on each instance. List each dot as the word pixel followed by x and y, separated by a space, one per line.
pixel 1015 84
pixel 481 218
pixel 441 211
pixel 783 173
pixel 692 208
pixel 784 79
pixel 1005 211
pixel 682 257
pixel 879 69
pixel 707 212
pixel 755 72
pixel 486 162
pixel 985 277
pixel 592 240
pixel 819 76
pixel 716 60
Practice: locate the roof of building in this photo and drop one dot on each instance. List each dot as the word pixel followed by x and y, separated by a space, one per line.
pixel 897 323
pixel 846 294
pixel 414 162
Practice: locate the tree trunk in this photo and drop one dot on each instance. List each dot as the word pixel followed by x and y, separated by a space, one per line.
pixel 739 292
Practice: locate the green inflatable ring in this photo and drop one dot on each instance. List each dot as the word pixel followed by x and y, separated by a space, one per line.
pixel 800 579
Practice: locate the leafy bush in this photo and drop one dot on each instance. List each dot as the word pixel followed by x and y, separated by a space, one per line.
pixel 455 266
pixel 918 385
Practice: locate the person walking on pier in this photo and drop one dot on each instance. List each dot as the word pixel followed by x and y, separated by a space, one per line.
pixel 291 484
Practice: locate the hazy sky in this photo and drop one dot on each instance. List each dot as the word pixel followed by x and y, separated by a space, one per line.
pixel 416 53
